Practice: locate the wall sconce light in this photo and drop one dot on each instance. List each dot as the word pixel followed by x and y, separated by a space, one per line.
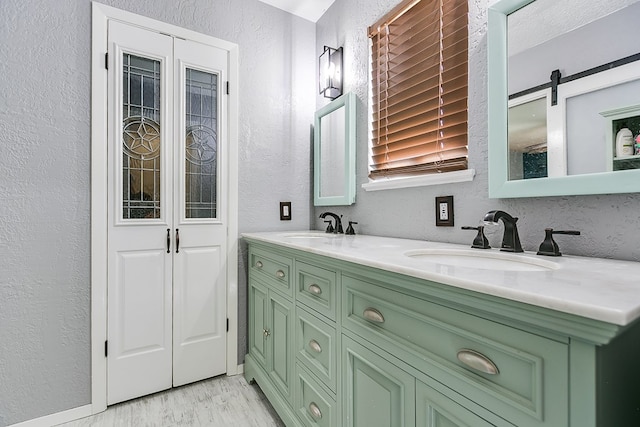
pixel 330 72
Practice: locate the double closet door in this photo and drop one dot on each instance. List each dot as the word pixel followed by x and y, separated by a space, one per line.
pixel 167 232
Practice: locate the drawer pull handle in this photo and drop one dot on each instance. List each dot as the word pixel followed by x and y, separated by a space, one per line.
pixel 315 411
pixel 315 289
pixel 258 264
pixel 313 345
pixel 373 315
pixel 266 332
pixel 477 361
pixel 280 274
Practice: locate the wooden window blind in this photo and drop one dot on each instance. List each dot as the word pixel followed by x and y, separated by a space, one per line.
pixel 419 81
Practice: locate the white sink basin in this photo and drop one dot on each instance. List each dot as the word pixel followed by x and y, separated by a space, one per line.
pixel 311 235
pixel 483 259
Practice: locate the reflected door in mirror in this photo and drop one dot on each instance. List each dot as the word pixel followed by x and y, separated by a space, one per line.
pixel 581 56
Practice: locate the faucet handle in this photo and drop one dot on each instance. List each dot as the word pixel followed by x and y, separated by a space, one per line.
pixel 480 241
pixel 329 227
pixel 549 247
pixel 350 231
pixel 339 229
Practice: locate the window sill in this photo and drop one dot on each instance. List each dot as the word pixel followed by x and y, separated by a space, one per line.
pixel 419 181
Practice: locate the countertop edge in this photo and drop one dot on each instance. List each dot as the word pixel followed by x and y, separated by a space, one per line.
pixel 590 311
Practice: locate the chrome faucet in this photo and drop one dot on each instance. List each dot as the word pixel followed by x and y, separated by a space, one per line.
pixel 510 239
pixel 337 229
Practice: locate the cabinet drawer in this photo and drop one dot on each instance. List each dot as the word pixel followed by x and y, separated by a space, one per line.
pixel 518 374
pixel 316 287
pixel 313 405
pixel 316 347
pixel 273 269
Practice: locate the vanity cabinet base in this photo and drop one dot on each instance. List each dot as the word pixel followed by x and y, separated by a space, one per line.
pixel 365 347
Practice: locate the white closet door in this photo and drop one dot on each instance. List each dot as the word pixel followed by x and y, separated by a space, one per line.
pixel 140 186
pixel 199 276
pixel 168 189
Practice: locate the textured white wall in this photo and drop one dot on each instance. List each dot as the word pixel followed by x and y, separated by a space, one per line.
pixel 610 224
pixel 45 190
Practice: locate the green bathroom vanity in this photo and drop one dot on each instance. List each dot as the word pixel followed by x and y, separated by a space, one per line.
pixel 361 331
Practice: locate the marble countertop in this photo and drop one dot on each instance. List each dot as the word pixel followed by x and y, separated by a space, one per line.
pixel 599 289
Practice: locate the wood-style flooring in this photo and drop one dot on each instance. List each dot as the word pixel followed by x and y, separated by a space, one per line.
pixel 219 402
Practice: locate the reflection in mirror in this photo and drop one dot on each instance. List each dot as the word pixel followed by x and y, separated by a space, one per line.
pixel 570 35
pixel 535 56
pixel 624 125
pixel 567 146
pixel 334 153
pixel 527 128
pixel 586 121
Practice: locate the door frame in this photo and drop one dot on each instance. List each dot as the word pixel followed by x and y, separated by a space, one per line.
pixel 101 14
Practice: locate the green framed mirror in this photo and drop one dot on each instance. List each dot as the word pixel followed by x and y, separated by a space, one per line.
pixel 334 153
pixel 550 171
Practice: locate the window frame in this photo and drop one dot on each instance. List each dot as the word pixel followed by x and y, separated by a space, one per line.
pixel 415 176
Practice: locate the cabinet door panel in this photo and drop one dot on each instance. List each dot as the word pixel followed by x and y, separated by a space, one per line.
pixel 436 410
pixel 281 333
pixel 259 305
pixel 377 393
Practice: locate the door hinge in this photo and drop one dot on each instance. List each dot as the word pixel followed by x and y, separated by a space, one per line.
pixel 106 60
pixel 106 346
pixel 227 88
pixel 227 324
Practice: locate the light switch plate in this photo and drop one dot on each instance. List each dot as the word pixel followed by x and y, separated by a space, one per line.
pixel 285 211
pixel 444 211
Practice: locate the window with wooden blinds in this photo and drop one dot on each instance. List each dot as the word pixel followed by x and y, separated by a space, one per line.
pixel 419 86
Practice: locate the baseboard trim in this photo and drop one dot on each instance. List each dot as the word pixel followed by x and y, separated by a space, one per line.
pixel 57 418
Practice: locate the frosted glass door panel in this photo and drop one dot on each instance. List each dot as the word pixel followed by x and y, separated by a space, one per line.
pixel 141 136
pixel 201 164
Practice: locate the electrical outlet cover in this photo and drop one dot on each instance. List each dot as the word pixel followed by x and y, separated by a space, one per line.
pixel 444 211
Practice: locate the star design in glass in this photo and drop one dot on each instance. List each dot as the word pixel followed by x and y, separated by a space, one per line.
pixel 201 145
pixel 144 137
